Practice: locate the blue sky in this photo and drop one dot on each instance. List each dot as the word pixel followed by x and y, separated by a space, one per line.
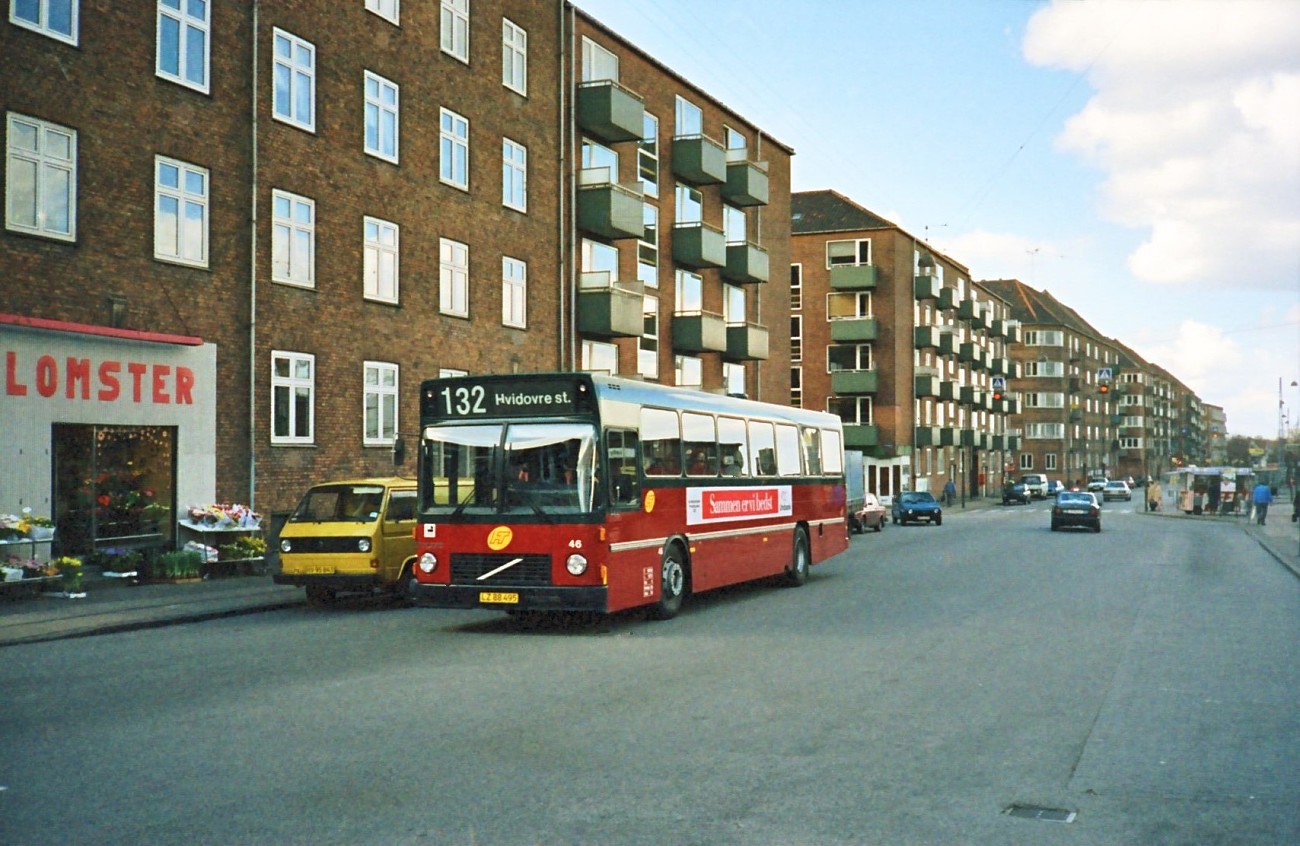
pixel 1139 159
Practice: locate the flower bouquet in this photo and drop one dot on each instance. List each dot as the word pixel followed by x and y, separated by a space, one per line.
pixel 35 526
pixel 69 567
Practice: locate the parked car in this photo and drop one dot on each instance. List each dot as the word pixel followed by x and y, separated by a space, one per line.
pixel 1076 509
pixel 1097 484
pixel 1036 484
pixel 1054 487
pixel 1116 490
pixel 869 515
pixel 1015 493
pixel 916 506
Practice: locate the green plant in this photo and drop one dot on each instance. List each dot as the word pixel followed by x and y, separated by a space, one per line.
pixel 246 546
pixel 180 564
pixel 70 569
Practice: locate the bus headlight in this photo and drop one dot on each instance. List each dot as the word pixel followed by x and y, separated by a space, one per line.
pixel 285 545
pixel 576 564
pixel 363 544
pixel 428 562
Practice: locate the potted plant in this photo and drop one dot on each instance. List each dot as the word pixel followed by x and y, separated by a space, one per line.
pixel 177 566
pixel 69 567
pixel 37 527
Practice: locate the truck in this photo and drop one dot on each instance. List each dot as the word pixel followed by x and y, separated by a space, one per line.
pixel 855 488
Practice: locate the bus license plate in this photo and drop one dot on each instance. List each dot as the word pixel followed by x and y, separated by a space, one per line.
pixel 499 598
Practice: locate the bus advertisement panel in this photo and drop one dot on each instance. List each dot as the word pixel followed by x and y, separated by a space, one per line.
pixel 584 492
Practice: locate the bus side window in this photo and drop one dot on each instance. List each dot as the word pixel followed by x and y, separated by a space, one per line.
pixel 621 455
pixel 787 450
pixel 762 448
pixel 661 442
pixel 700 437
pixel 812 451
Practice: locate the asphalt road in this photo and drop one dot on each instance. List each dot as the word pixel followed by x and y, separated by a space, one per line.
pixel 919 687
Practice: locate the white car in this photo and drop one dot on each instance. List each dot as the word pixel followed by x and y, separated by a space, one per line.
pixel 1097 484
pixel 1117 490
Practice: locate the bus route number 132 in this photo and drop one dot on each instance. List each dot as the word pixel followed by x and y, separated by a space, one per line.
pixel 464 401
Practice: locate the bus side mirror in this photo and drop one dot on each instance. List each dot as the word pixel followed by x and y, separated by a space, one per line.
pixel 399 451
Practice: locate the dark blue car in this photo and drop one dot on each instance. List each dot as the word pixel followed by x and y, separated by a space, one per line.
pixel 916 506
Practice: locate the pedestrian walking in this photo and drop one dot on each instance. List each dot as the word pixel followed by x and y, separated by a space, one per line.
pixel 1262 496
pixel 949 492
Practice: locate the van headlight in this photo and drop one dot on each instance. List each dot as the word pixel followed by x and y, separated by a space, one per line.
pixel 285 545
pixel 363 545
pixel 428 562
pixel 576 564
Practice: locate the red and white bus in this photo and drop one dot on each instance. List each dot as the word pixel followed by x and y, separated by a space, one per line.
pixel 584 492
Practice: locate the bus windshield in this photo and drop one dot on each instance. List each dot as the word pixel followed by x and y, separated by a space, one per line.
pixel 540 469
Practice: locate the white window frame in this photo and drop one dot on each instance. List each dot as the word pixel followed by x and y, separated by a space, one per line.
pixel 688 371
pixel 689 293
pixel 44 163
pixel 377 107
pixel 453 149
pixel 381 262
pixel 733 378
pixel 647 353
pixel 188 26
pixel 688 118
pixel 796 287
pixel 647 155
pixel 294 383
pixel 453 278
pixel 647 247
pixel 689 205
pixel 454 29
pixel 514 57
pixel 380 391
pixel 858 249
pixel 514 175
pixel 514 292
pixel 181 250
pixel 796 338
pixel 42 22
pixel 598 63
pixel 860 300
pixel 389 10
pixel 796 387
pixel 596 354
pixel 300 71
pixel 288 231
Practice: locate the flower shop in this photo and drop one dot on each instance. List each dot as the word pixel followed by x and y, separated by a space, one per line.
pixel 107 433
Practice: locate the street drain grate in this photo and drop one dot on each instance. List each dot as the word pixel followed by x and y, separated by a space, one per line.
pixel 1035 812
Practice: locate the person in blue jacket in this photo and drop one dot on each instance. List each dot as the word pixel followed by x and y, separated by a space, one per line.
pixel 1262 497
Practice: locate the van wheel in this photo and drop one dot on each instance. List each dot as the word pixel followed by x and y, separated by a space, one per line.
pixel 672 583
pixel 797 573
pixel 398 591
pixel 319 595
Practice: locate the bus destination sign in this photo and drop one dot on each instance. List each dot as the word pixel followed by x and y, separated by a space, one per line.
pixel 490 398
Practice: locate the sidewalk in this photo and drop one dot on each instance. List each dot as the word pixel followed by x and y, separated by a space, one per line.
pixel 112 606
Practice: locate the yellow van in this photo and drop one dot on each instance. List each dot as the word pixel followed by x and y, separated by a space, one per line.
pixel 350 536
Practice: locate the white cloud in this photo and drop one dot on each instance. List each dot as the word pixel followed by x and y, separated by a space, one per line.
pixel 1195 123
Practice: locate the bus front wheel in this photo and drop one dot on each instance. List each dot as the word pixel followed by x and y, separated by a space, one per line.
pixel 797 573
pixel 672 583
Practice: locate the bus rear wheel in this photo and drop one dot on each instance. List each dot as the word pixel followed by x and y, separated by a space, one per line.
pixel 797 573
pixel 672 583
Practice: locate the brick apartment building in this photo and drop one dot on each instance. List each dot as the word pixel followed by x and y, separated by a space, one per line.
pixel 238 237
pixel 896 339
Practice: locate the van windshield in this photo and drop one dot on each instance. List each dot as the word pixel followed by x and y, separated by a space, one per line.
pixel 340 504
pixel 538 469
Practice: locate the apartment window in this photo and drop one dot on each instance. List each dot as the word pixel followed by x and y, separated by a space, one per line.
pixel 647 155
pixel 690 205
pixel 1044 400
pixel 381 117
pixel 690 292
pixel 382 241
pixel 295 81
pixel 180 231
pixel 183 42
pixel 599 163
pixel 851 410
pixel 688 370
pixel 380 425
pixel 733 304
pixel 647 362
pixel 735 143
pixel 389 10
pixel 514 57
pixel 647 249
pixel 40 178
pixel 514 175
pixel 453 159
pixel 848 252
pixel 690 118
pixel 600 357
pixel 55 18
pixel 796 337
pixel 1044 338
pixel 848 357
pixel 601 261
pixel 733 224
pixel 514 292
pixel 1026 461
pixel 848 305
pixel 597 62
pixel 455 29
pixel 293 239
pixel 293 390
pixel 1049 461
pixel 796 287
pixel 453 278
pixel 796 387
pixel 733 378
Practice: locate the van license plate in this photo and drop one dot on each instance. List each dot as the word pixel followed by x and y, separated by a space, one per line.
pixel 499 598
pixel 320 570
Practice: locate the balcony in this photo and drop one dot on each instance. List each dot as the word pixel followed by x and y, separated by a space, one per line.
pixel 609 210
pixel 969 310
pixel 746 342
pixel 971 352
pixel 861 435
pixel 608 310
pixel 926 386
pixel 746 263
pixel 926 287
pixel 847 329
pixel 949 391
pixel 746 183
pixel 1013 441
pixel 699 246
pixel 948 436
pixel 610 111
pixel 924 436
pixel 846 382
pixel 698 332
pixel 974 438
pixel 950 299
pixel 925 337
pixel 947 342
pixel 970 395
pixel 699 159
pixel 1000 367
pixel 1014 333
pixel 853 277
pixel 999 329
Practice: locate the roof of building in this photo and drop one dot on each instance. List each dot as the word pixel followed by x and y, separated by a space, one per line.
pixel 829 211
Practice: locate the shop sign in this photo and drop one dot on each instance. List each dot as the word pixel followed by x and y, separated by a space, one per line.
pixel 105 380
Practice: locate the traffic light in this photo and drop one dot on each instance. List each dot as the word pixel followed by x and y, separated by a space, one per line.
pixel 1104 388
pixel 997 395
